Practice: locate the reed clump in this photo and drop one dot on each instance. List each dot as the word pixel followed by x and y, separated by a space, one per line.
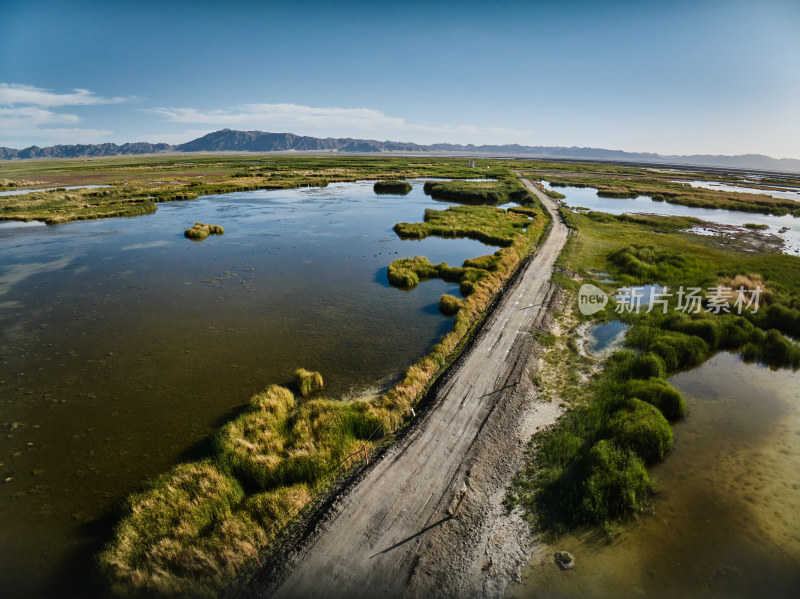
pixel 307 381
pixel 202 230
pixel 642 428
pixel 449 305
pixel 393 186
pixel 171 539
pixel 192 529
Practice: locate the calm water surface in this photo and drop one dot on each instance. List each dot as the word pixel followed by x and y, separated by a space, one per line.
pixel 726 523
pixel 123 345
pixel 787 227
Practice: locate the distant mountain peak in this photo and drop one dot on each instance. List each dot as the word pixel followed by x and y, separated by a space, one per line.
pixel 232 140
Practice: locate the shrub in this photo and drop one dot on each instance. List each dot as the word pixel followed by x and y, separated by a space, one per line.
pixel 618 483
pixel 307 381
pixel 641 428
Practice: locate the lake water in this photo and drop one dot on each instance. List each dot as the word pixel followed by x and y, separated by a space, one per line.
pixel 124 345
pixel 726 523
pixel 717 186
pixel 587 197
pixel 604 339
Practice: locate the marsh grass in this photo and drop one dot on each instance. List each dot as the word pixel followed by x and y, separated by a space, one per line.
pixel 590 467
pixel 202 230
pixel 307 382
pixel 269 463
pixel 143 180
pixel 392 186
pixel 508 189
pixel 449 305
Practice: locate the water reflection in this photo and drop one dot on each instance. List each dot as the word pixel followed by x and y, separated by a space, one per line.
pixel 787 227
pixel 727 522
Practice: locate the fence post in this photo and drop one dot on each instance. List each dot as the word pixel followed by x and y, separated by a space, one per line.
pixel 366 455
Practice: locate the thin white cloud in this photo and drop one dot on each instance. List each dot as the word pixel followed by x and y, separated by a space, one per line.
pixel 347 121
pixel 13 94
pixel 33 113
pixel 31 116
pixel 285 115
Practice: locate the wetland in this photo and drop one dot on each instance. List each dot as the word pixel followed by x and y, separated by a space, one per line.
pixel 126 345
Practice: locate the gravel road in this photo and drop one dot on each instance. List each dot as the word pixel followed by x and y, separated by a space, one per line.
pixel 427 518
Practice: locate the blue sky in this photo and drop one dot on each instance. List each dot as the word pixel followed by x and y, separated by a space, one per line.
pixel 678 77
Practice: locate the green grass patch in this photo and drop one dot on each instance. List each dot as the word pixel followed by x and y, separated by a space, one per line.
pixel 202 230
pixel 509 189
pixel 589 469
pixel 392 187
pixel 449 305
pixel 307 382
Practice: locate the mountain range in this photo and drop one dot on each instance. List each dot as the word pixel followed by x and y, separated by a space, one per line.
pixel 228 140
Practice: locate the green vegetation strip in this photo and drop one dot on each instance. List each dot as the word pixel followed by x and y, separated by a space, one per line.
pixel 392 187
pixel 507 189
pixel 590 468
pixel 138 184
pixel 192 529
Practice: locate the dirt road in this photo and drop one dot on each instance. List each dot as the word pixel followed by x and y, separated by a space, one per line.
pixel 392 534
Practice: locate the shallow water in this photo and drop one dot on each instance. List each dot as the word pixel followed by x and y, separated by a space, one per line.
pixel 727 520
pixel 587 197
pixel 124 345
pixel 603 339
pixel 717 186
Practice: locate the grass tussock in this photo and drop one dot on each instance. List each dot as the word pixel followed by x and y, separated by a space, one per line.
pixel 172 537
pixel 449 305
pixel 202 230
pixel 192 529
pixel 392 186
pixel 307 381
pixel 276 444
